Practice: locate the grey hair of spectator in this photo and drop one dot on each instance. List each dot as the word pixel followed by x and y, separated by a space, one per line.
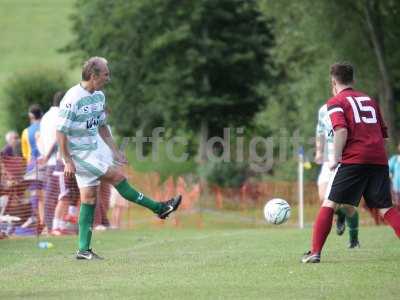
pixel 93 65
pixel 10 134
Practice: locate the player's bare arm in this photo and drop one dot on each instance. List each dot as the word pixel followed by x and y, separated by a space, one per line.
pixel 69 169
pixel 105 134
pixel 339 141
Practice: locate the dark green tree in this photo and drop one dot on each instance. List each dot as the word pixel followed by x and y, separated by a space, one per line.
pixel 310 36
pixel 192 64
pixel 378 23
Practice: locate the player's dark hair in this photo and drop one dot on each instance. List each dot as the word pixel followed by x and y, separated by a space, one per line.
pixel 92 66
pixel 343 72
pixel 36 111
pixel 58 97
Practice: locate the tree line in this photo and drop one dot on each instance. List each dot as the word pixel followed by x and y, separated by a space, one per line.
pixel 263 65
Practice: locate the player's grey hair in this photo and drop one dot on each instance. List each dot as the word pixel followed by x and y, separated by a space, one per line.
pixel 9 135
pixel 93 66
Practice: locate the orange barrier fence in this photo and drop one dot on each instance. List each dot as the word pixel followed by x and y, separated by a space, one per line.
pixel 40 200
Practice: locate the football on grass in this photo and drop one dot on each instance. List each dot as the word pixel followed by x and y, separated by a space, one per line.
pixel 276 211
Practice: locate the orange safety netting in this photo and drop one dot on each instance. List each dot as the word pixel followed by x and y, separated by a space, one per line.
pixel 38 200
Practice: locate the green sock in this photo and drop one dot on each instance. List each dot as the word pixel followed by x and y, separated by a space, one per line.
pixel 129 193
pixel 86 216
pixel 352 222
pixel 341 213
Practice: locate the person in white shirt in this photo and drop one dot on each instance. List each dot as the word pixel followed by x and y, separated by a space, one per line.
pixel 48 144
pixel 57 191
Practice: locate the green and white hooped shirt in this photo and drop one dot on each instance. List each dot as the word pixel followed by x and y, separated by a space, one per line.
pixel 80 115
pixel 324 127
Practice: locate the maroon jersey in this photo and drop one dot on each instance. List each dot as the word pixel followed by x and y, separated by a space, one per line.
pixel 366 129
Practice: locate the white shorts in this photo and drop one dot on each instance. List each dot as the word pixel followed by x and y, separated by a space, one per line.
pixel 325 174
pixel 90 166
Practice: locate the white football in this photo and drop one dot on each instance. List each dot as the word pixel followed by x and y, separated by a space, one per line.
pixel 276 211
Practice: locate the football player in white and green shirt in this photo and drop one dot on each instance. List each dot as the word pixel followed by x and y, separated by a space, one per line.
pixel 81 122
pixel 324 153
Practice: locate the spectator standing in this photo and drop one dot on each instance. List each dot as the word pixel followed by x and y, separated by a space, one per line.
pixel 31 153
pixel 49 144
pixel 13 145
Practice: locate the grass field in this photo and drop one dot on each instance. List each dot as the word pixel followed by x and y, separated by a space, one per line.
pixel 260 263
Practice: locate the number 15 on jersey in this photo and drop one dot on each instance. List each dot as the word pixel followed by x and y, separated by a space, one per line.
pixel 360 104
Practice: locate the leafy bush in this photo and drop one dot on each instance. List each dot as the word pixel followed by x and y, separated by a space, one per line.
pixel 225 174
pixel 31 87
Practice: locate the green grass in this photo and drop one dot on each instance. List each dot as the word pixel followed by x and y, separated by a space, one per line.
pixel 32 32
pixel 168 263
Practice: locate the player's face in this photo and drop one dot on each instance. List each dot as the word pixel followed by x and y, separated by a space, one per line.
pixel 99 81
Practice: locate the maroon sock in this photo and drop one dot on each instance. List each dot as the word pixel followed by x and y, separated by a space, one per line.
pixel 322 227
pixel 392 216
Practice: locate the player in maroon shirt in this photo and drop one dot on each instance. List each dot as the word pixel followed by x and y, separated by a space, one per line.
pixel 360 160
